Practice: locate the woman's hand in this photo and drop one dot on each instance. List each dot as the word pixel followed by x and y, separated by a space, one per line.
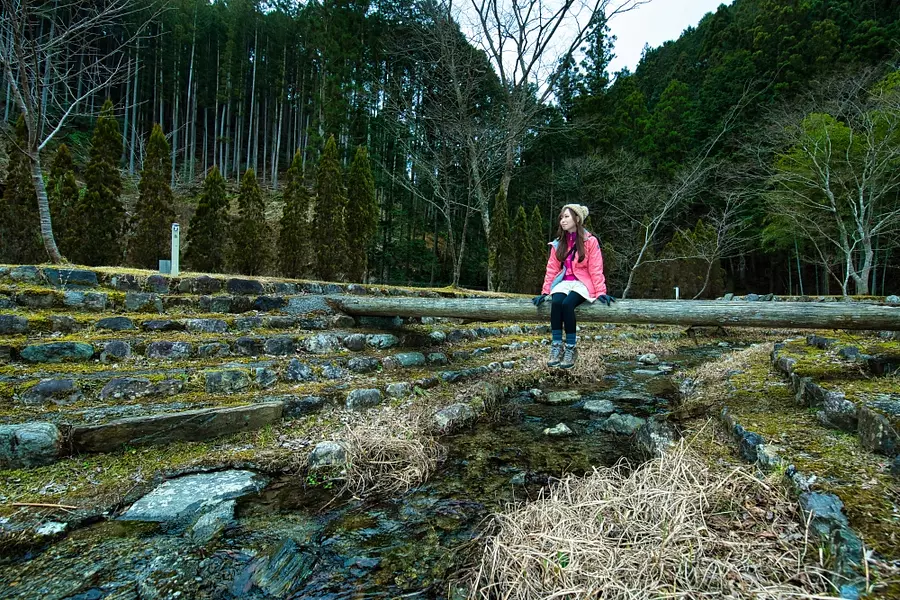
pixel 538 300
pixel 606 299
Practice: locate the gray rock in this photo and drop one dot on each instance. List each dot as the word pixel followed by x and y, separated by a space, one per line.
pixel 29 445
pixel 58 352
pixel 893 299
pixel 840 412
pixel 62 323
pixel 382 340
pixel 12 324
pixel 824 512
pixel 249 346
pixel 648 359
pixel 125 283
pixel 206 325
pixel 158 284
pixel 751 297
pixel 559 430
pixel 517 479
pixel 769 456
pixel 600 408
pixel 328 455
pixel 728 297
pixel 895 467
pixel 621 424
pixel 215 304
pixel 213 349
pixel 768 297
pixel 322 343
pixel 280 322
pixel 453 417
pixel 363 398
pixel 115 350
pixel 226 381
pixel 398 390
pixel 508 364
pixel 285 288
pixel 363 364
pixel 557 398
pixel 142 302
pixel 404 360
pixel 311 287
pixel 655 438
pixel 335 372
pixel 301 305
pixel 132 388
pixel 264 377
pixel 95 301
pixel 332 288
pixel 26 274
pixel 298 406
pixel 437 358
pixel 207 285
pixel 298 371
pixel 212 523
pixel 167 349
pixel 281 345
pixel 355 342
pixel 339 322
pixel 57 391
pixel 648 372
pixel 878 431
pixel 115 324
pixel 244 287
pixel 166 325
pixel 51 529
pixel 177 502
pixel 47 298
pixel 438 337
pixel 247 323
pixel 269 303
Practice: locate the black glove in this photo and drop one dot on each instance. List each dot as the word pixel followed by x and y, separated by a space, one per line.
pixel 605 299
pixel 538 300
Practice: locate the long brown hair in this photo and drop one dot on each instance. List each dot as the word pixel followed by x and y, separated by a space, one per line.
pixel 562 248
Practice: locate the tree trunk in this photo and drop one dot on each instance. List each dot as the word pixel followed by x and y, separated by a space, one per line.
pixel 134 108
pixel 40 190
pixel 252 97
pixel 799 272
pixel 792 315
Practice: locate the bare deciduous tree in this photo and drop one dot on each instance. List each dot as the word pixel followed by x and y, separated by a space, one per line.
pixel 55 56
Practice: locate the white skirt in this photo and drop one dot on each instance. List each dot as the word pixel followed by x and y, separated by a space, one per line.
pixel 564 287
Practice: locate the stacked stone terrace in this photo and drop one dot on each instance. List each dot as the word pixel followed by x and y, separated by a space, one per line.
pixel 92 360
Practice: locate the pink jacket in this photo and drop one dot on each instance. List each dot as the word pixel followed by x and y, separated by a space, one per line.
pixel 589 271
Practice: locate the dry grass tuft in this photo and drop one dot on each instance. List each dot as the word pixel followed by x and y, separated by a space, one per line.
pixel 669 529
pixel 389 456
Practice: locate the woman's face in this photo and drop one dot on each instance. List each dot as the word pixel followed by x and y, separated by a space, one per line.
pixel 567 221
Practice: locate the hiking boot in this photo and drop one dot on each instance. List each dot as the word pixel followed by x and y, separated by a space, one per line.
pixel 556 354
pixel 568 359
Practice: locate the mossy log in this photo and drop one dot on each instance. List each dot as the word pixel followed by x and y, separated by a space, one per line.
pixel 791 315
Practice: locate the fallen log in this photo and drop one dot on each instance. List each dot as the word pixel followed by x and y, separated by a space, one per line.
pixel 791 315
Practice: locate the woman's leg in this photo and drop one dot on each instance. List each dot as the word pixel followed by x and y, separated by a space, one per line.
pixel 568 315
pixel 556 326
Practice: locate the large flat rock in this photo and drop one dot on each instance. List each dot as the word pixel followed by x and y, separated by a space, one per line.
pixel 191 425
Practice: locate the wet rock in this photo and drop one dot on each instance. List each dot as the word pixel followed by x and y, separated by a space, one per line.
pixel 264 377
pixel 327 455
pixel 213 349
pixel 438 337
pixel 648 359
pixel 335 372
pixel 12 324
pixel 29 445
pixel 382 340
pixel 648 372
pixel 244 287
pixel 158 284
pixel 600 408
pixel 132 388
pixel 278 574
pixel 298 371
pixel 363 398
pixel 301 305
pixel 621 424
pixel 143 302
pixel 55 352
pixel 322 343
pixel 62 323
pixel 295 406
pixel 74 277
pixel 398 390
pixel 57 391
pixel 404 360
pixel 558 398
pixel 655 438
pixel 363 364
pixel 453 417
pixel 115 324
pixel 269 303
pixel 281 345
pixel 355 342
pixel 559 430
pixel 178 502
pixel 206 325
pixel 167 349
pixel 249 346
pixel 164 325
pixel 26 274
pixel 893 299
pixel 115 350
pixel 437 358
pixel 212 523
pixel 226 381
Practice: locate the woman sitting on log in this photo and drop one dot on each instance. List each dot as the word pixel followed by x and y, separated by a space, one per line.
pixel 574 274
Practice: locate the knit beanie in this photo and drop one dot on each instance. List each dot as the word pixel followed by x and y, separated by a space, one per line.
pixel 580 210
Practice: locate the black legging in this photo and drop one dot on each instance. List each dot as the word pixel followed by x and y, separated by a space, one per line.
pixel 563 309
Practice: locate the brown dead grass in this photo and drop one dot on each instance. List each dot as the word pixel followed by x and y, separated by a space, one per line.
pixel 669 529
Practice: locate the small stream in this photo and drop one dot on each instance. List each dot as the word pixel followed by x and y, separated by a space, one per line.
pixel 295 540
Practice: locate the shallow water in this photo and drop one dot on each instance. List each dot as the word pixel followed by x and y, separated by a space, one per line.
pixel 295 540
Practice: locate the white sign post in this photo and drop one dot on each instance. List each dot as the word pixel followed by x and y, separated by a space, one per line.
pixel 176 247
pixel 676 292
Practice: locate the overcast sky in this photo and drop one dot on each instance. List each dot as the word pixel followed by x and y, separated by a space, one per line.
pixel 654 24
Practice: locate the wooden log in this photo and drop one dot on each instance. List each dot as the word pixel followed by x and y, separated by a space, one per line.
pixel 791 315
